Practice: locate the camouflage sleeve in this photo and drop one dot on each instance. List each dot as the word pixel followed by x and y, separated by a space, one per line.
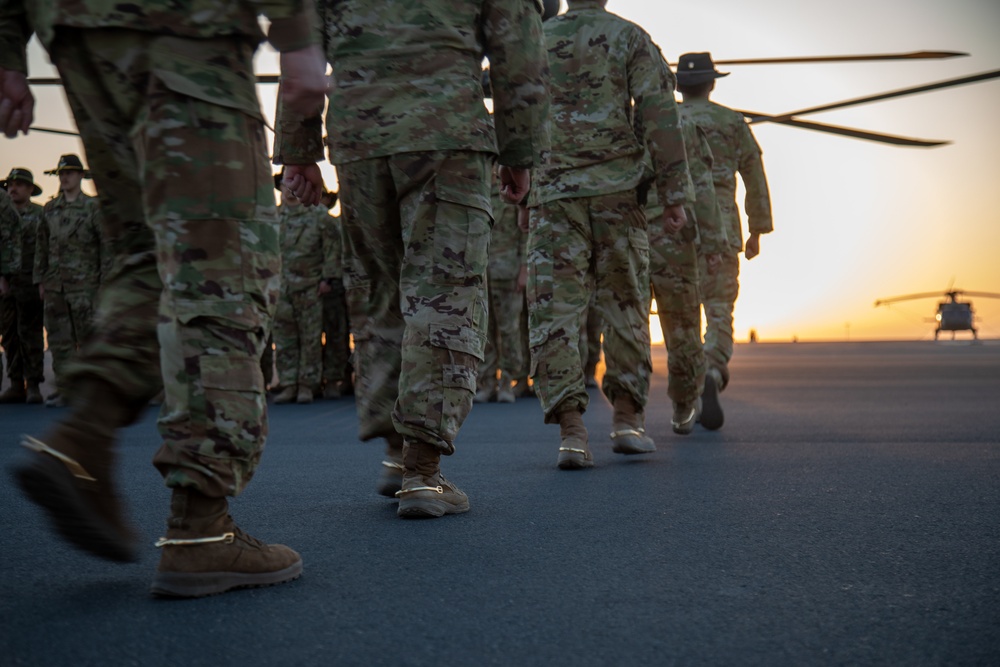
pixel 519 73
pixel 758 200
pixel 651 85
pixel 41 258
pixel 14 35
pixel 106 256
pixel 711 232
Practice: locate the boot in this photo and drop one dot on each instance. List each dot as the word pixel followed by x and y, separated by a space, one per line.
pixel 683 419
pixel 628 436
pixel 425 492
pixel 14 393
pixel 34 395
pixel 287 395
pixel 332 391
pixel 205 552
pixel 505 392
pixel 712 416
pixel 70 474
pixel 390 480
pixel 55 400
pixel 574 452
pixel 485 394
pixel 304 395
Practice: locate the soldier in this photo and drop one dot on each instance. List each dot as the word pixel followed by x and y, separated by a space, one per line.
pixel 504 349
pixel 413 145
pixel 165 103
pixel 68 266
pixel 298 324
pixel 337 380
pixel 22 309
pixel 734 149
pixel 587 226
pixel 10 261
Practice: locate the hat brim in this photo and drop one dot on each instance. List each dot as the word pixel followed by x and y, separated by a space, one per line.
pixel 695 78
pixel 35 190
pixel 58 170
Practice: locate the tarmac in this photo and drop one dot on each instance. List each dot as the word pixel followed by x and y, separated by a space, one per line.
pixel 847 513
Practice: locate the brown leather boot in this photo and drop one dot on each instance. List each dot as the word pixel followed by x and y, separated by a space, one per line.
pixel 205 552
pixel 574 452
pixel 425 492
pixel 15 393
pixel 391 478
pixel 70 474
pixel 628 435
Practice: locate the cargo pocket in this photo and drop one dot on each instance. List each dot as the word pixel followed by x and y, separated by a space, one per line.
pixel 458 351
pixel 462 224
pixel 234 405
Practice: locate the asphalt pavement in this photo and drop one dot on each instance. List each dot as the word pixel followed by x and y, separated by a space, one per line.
pixel 847 513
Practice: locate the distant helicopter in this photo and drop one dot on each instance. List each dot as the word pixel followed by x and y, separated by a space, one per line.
pixel 952 315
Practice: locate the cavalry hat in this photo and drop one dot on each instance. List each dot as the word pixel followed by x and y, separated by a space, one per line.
pixel 70 162
pixel 22 174
pixel 695 68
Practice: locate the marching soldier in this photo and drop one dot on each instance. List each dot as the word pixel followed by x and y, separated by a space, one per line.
pixel 337 372
pixel 734 149
pixel 68 267
pixel 22 307
pixel 10 261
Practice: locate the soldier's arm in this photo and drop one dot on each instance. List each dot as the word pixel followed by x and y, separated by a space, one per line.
pixel 651 85
pixel 17 104
pixel 519 72
pixel 758 200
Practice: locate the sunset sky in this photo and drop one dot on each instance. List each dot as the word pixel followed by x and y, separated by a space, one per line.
pixel 854 221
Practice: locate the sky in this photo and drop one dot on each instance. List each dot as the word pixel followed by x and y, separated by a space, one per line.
pixel 854 221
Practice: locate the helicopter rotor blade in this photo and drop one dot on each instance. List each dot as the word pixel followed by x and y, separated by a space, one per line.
pixel 908 297
pixel 49 130
pixel 880 137
pixel 975 78
pixel 912 55
pixel 988 295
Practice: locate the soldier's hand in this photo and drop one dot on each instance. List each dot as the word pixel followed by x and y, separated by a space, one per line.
pixel 674 218
pixel 305 181
pixel 514 183
pixel 523 219
pixel 303 81
pixel 753 246
pixel 17 104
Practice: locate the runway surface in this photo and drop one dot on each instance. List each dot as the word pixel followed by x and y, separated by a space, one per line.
pixel 847 513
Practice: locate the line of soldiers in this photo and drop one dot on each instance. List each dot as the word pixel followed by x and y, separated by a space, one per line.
pixel 585 136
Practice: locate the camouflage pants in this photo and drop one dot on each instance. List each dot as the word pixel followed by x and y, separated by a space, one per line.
pixel 673 275
pixel 416 232
pixel 188 207
pixel 504 347
pixel 21 318
pixel 298 331
pixel 590 337
pixel 573 244
pixel 337 332
pixel 69 321
pixel 718 296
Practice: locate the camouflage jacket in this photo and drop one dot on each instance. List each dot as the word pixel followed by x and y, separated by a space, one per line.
pixel 23 236
pixel 302 246
pixel 69 251
pixel 407 77
pixel 292 21
pixel 600 65
pixel 333 249
pixel 507 242
pixel 734 150
pixel 10 252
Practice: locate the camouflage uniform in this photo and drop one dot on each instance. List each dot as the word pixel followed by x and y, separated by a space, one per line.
pixel 413 145
pixel 298 325
pixel 10 262
pixel 22 310
pixel 734 149
pixel 69 264
pixel 504 347
pixel 336 323
pixel 587 227
pixel 167 109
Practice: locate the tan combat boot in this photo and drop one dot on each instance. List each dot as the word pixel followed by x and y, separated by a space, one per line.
pixel 628 436
pixel 33 395
pixel 425 492
pixel 390 480
pixel 287 395
pixel 14 393
pixel 711 416
pixel 304 395
pixel 70 474
pixel 683 418
pixel 574 452
pixel 205 552
pixel 505 391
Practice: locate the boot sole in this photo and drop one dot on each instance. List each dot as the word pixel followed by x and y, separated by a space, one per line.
pixel 202 584
pixel 429 508
pixel 574 461
pixel 712 416
pixel 49 485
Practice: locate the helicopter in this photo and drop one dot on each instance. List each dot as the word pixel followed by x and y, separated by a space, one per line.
pixel 952 315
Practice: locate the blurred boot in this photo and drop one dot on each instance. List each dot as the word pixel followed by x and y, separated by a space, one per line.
pixel 712 416
pixel 287 395
pixel 629 436
pixel 425 492
pixel 683 418
pixel 15 393
pixel 574 452
pixel 505 392
pixel 205 552
pixel 390 480
pixel 304 395
pixel 33 395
